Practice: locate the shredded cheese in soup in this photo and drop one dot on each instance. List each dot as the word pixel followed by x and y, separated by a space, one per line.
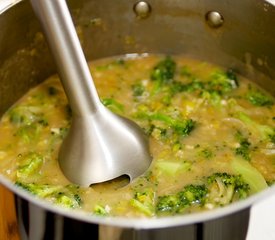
pixel 211 131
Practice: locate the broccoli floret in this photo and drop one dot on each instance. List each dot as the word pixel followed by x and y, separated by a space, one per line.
pixel 219 84
pixel 194 85
pixel 218 189
pixel 180 201
pixel 68 200
pixel 231 74
pixel 144 201
pixel 162 76
pixel 68 196
pixel 206 153
pixel 258 98
pixel 169 204
pixel 222 82
pixel 138 89
pixel 271 136
pixel 99 210
pixel 26 116
pixel 20 115
pixel 182 127
pixel 225 188
pixel 244 149
pixel 28 121
pixel 164 71
pixel 193 194
pixel 28 164
pixel 113 105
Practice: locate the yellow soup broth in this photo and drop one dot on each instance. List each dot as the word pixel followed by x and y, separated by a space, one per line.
pixel 211 134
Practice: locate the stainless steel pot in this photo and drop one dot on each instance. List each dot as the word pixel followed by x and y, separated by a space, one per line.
pixel 231 33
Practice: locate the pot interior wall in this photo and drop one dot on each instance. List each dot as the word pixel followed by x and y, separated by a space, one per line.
pixel 245 41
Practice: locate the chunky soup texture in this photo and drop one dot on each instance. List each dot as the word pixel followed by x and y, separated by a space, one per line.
pixel 212 137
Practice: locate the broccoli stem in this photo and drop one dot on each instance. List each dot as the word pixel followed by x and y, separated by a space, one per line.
pixel 29 164
pixel 250 174
pixel 257 129
pixel 171 168
pixel 258 98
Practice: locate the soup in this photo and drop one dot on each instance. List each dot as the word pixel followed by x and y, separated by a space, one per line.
pixel 211 131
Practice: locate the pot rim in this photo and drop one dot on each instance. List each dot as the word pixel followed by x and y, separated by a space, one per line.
pixel 137 223
pixel 140 223
pixel 6 4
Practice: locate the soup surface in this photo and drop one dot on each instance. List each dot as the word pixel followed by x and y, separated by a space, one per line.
pixel 212 137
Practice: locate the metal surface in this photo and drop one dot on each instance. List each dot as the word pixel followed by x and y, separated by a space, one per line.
pixel 38 222
pixel 214 19
pixel 245 42
pixel 100 145
pixel 142 9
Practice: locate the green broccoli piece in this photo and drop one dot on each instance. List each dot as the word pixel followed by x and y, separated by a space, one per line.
pixel 182 127
pixel 113 105
pixel 206 153
pixel 168 204
pixel 68 196
pixel 225 188
pixel 28 133
pixel 194 85
pixel 271 136
pixel 264 131
pixel 144 201
pixel 138 89
pixel 171 168
pixel 68 200
pixel 244 149
pixel 27 115
pixel 217 190
pixel 258 98
pixel 193 194
pixel 231 74
pixel 29 164
pixel 219 84
pixel 20 115
pixel 41 190
pixel 222 82
pixel 28 121
pixel 99 210
pixel 180 201
pixel 250 175
pixel 164 71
